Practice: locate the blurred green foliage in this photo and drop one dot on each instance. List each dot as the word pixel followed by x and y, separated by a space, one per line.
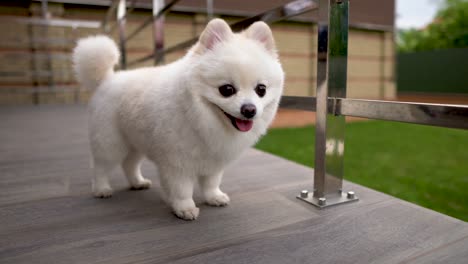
pixel 449 29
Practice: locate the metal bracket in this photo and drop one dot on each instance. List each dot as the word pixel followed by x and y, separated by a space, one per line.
pixel 323 202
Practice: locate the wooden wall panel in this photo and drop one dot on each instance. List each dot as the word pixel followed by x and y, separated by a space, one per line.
pixel 296 43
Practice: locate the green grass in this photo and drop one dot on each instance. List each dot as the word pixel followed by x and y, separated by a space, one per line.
pixel 420 164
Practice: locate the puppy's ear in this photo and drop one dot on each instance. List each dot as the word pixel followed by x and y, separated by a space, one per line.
pixel 215 32
pixel 261 32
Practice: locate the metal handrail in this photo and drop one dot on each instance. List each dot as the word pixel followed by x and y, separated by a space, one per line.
pixel 441 115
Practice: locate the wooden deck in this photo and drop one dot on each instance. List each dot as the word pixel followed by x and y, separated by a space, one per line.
pixel 48 215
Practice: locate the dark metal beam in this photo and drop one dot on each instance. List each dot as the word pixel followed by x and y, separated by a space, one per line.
pixel 149 21
pixel 110 13
pixel 290 9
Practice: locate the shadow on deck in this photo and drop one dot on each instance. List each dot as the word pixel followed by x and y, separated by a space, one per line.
pixel 49 216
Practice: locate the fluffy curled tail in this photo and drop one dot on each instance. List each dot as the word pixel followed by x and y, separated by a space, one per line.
pixel 94 59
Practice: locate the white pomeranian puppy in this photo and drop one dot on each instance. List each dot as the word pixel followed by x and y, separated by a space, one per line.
pixel 191 117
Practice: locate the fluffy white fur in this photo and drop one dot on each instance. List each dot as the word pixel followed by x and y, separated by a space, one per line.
pixel 94 59
pixel 173 114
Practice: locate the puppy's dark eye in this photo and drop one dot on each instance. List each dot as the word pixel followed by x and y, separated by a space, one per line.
pixel 260 90
pixel 227 90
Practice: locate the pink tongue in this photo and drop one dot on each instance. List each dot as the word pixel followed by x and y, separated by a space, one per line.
pixel 244 125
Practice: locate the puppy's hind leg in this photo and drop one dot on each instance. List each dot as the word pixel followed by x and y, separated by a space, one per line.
pixel 108 152
pixel 101 185
pixel 131 167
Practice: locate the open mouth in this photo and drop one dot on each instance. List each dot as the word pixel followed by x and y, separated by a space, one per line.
pixel 240 124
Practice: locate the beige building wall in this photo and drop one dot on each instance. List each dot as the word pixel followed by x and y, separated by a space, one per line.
pixel 27 52
pixel 370 61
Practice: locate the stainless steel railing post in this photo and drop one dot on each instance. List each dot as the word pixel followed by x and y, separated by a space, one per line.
pixel 332 54
pixel 158 31
pixel 121 11
pixel 209 9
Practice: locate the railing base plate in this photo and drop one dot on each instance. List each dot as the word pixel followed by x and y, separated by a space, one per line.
pixel 329 201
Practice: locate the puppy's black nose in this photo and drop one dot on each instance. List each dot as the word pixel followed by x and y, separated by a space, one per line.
pixel 248 110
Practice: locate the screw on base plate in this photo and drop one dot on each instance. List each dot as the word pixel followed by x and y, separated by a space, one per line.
pixel 304 194
pixel 322 201
pixel 350 195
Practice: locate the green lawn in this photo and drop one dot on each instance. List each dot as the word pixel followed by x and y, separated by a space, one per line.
pixel 421 164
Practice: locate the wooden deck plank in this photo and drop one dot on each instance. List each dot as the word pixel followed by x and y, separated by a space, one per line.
pixel 387 232
pixel 99 233
pixel 48 215
pixel 454 252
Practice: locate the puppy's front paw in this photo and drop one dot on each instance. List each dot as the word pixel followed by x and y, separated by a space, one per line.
pixel 217 199
pixel 141 185
pixel 103 192
pixel 187 214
